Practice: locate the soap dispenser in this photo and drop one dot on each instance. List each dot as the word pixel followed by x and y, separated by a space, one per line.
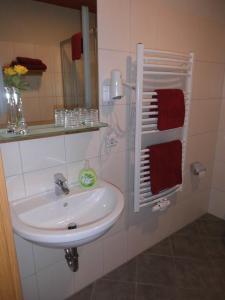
pixel 87 176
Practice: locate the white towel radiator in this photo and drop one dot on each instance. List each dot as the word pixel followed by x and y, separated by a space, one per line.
pixel 157 70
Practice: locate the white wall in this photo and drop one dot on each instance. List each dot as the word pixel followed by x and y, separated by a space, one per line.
pixel 217 195
pixel 161 24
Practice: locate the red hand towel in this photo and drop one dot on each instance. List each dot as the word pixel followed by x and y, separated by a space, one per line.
pixel 171 108
pixel 165 165
pixel 41 67
pixel 28 61
pixel 76 45
pixel 34 67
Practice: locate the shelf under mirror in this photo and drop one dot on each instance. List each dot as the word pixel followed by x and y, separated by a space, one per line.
pixel 42 131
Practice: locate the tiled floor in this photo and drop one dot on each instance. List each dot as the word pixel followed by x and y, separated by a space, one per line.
pixel 188 265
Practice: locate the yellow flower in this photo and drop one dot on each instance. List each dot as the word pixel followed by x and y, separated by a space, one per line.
pixel 21 70
pixel 9 71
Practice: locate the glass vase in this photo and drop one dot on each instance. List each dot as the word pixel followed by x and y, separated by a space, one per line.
pixel 16 121
pixel 21 127
pixel 12 110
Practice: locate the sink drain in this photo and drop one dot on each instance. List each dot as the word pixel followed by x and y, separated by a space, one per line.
pixel 71 254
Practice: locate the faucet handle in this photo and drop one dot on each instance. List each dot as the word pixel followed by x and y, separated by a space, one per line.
pixel 59 177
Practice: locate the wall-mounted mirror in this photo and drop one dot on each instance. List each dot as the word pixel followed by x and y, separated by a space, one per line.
pixel 53 32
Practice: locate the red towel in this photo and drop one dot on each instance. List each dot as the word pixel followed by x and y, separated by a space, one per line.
pixel 165 165
pixel 41 67
pixel 76 45
pixel 171 108
pixel 28 61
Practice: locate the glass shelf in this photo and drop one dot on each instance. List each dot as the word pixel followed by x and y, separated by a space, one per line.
pixel 42 131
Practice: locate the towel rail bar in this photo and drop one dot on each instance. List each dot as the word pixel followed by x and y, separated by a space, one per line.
pixel 164 59
pixel 185 68
pixel 165 73
pixel 158 52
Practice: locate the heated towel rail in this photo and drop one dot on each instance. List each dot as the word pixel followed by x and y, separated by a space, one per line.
pixel 157 70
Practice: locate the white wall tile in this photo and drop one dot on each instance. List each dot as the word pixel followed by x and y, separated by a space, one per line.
pixel 32 109
pixel 81 146
pixel 45 257
pixel 42 153
pixel 11 159
pixel 144 23
pixel 220 147
pixel 24 250
pixel 29 287
pixel 90 263
pixel 113 24
pixel 43 180
pixel 56 282
pixel 115 251
pixel 222 114
pixel 115 170
pixel 219 175
pixel 207 108
pixel 217 203
pixel 23 49
pixel 207 80
pixel 201 147
pixel 58 84
pixel 6 53
pixel 46 89
pixel 212 31
pixel 15 187
pixel 141 230
pixel 47 106
pixel 122 223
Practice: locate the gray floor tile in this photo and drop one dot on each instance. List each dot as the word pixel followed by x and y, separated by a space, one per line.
pixel 148 292
pixel 211 229
pixel 218 267
pixel 155 269
pixel 214 247
pixel 162 248
pixel 210 218
pixel 196 294
pixel 187 246
pixel 193 273
pixel 189 230
pixel 125 273
pixel 174 269
pixel 85 294
pixel 111 290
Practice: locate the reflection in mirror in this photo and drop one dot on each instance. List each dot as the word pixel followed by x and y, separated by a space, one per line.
pixel 44 34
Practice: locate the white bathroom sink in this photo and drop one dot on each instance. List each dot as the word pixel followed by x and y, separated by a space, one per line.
pixel 44 219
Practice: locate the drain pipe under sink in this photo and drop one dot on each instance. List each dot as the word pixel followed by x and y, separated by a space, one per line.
pixel 71 254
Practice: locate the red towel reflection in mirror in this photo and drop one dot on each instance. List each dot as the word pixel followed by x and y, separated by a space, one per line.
pixel 77 46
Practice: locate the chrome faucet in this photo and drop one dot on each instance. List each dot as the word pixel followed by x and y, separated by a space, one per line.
pixel 60 184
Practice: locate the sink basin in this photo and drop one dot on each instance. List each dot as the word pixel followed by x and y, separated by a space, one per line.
pixel 44 219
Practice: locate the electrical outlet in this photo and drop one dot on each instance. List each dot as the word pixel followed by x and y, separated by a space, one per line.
pixel 111 142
